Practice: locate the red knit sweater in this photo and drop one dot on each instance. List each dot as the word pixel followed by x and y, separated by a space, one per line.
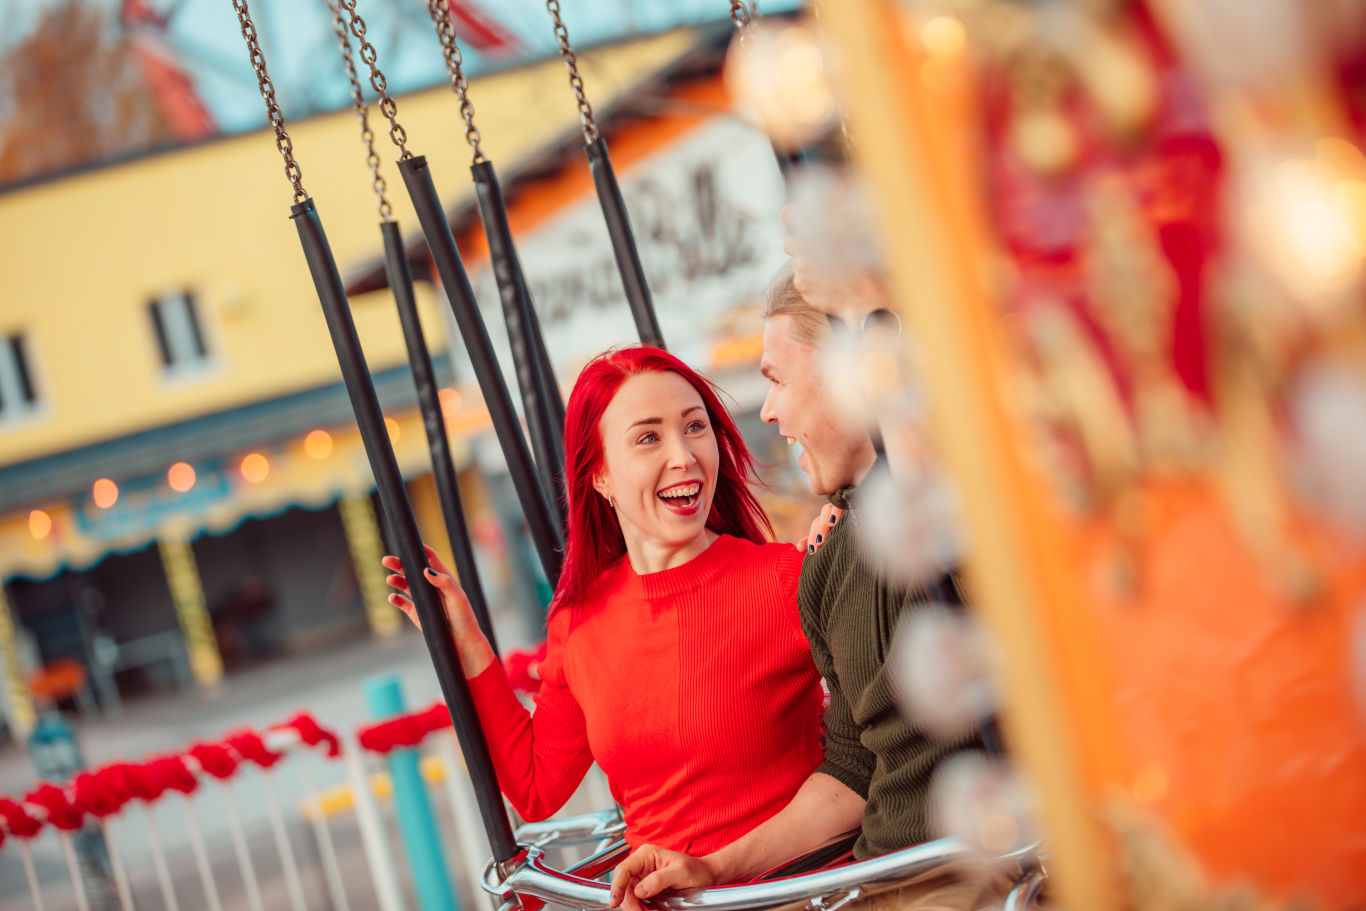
pixel 692 688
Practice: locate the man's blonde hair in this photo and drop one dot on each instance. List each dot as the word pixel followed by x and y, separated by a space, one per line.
pixel 809 325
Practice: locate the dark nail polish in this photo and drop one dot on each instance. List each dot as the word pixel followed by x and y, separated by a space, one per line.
pixel 833 517
pixel 811 548
pixel 820 538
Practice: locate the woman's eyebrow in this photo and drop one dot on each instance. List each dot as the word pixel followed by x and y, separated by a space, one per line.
pixel 686 411
pixel 645 421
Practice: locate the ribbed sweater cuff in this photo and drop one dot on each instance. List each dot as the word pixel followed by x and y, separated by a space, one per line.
pixel 493 696
pixel 855 780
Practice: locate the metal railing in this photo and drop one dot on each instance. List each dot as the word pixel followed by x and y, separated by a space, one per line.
pixel 531 875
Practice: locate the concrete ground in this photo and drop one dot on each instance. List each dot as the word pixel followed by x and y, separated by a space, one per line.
pixel 329 684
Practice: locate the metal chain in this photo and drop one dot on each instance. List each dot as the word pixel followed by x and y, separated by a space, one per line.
pixel 590 126
pixel 367 135
pixel 740 14
pixel 368 56
pixel 445 30
pixel 277 119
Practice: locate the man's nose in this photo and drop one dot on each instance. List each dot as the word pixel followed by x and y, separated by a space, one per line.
pixel 768 414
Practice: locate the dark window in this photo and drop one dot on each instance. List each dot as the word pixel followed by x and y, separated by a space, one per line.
pixel 180 338
pixel 17 392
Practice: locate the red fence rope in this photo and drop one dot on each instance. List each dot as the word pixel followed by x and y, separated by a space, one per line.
pixel 105 791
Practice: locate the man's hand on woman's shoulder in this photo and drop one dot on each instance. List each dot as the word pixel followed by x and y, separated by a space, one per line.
pixel 651 870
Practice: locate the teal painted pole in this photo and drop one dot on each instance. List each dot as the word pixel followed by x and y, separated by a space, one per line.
pixel 417 825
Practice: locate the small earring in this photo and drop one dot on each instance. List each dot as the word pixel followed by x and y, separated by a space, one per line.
pixel 611 503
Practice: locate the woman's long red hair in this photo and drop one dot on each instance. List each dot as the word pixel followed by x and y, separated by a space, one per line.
pixel 594 540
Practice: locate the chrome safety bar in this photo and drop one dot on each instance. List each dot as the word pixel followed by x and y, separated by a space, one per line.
pixel 573 830
pixel 530 875
pixel 1025 895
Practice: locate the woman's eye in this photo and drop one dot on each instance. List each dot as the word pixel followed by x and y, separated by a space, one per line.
pixel 696 427
pixel 648 437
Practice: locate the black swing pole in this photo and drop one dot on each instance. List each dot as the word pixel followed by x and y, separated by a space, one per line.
pixel 541 400
pixel 398 512
pixel 545 530
pixel 609 196
pixel 546 534
pixel 419 358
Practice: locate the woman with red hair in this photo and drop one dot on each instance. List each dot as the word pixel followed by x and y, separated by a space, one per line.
pixel 675 658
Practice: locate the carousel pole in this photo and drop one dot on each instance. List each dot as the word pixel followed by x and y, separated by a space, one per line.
pixel 327 281
pixel 609 197
pixel 424 376
pixel 541 400
pixel 934 247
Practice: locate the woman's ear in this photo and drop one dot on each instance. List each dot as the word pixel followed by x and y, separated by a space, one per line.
pixel 600 484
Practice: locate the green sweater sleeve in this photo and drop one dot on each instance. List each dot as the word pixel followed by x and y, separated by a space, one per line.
pixel 846 759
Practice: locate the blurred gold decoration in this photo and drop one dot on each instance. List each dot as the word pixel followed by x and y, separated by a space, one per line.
pixel 1082 400
pixel 1076 397
pixel 1132 289
pixel 1045 140
pixel 1250 474
pixel 1040 132
pixel 1111 69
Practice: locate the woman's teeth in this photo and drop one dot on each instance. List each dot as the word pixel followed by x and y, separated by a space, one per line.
pixel 685 495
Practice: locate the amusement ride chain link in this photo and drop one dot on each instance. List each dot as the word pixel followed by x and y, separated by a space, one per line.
pixel 445 30
pixel 368 56
pixel 740 13
pixel 367 135
pixel 277 119
pixel 571 61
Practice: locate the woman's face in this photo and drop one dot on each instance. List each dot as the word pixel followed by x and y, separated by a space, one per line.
pixel 659 462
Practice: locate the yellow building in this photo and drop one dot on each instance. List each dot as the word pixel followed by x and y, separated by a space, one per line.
pixel 166 372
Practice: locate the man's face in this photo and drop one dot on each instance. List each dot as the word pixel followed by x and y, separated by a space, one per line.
pixel 835 451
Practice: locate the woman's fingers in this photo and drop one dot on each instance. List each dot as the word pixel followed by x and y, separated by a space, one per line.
pixel 407 607
pixel 436 573
pixel 820 527
pixel 434 561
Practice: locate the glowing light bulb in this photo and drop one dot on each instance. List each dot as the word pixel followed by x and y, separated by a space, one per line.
pixel 944 36
pixel 780 77
pixel 318 444
pixel 180 476
pixel 908 527
pixel 450 401
pixel 939 669
pixel 254 467
pixel 391 425
pixel 39 524
pixel 985 803
pixel 105 493
pixel 1301 222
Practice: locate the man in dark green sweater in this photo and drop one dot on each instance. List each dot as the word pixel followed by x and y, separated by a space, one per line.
pixel 877 765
